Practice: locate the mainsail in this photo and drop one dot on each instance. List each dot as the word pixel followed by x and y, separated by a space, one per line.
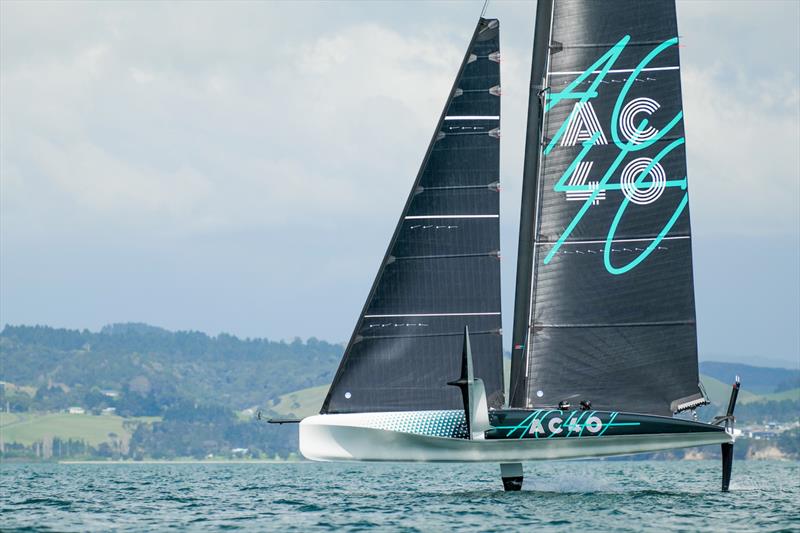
pixel 605 309
pixel 441 271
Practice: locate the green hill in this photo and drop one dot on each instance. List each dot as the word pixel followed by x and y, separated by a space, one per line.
pixel 791 394
pixel 719 393
pixel 757 379
pixel 191 385
pixel 60 368
pixel 300 404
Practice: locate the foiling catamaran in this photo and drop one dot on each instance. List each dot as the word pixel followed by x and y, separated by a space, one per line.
pixel 604 340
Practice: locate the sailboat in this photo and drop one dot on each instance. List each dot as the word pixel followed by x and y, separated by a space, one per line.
pixel 604 347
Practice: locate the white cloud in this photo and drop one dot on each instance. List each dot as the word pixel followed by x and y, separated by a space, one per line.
pixel 743 157
pixel 337 124
pixel 170 133
pixel 337 117
pixel 141 76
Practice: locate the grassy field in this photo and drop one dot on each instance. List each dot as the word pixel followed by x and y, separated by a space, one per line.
pixel 9 418
pixel 302 403
pixel 791 394
pixel 27 428
pixel 720 392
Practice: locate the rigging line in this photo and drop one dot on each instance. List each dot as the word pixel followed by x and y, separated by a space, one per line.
pixel 485 5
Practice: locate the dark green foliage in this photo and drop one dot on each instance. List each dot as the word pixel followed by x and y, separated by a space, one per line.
pixel 789 442
pixel 58 449
pixel 48 398
pixel 94 400
pixel 771 411
pixel 17 402
pixel 208 414
pixel 150 404
pixel 159 366
pixel 195 382
pixel 200 431
pixel 760 380
pixel 792 382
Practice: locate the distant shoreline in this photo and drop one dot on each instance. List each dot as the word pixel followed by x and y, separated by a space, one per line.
pixel 178 461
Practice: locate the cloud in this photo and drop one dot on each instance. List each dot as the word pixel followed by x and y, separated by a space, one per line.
pixel 231 162
pixel 122 110
pixel 334 125
pixel 742 140
pixel 742 108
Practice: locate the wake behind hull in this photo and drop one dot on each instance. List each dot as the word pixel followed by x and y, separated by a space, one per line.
pixel 358 437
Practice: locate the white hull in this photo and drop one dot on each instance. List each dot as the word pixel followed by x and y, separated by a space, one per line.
pixel 348 437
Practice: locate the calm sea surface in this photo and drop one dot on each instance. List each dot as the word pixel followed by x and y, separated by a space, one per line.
pixel 566 496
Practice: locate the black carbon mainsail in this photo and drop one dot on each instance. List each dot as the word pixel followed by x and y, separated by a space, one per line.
pixel 441 271
pixel 608 312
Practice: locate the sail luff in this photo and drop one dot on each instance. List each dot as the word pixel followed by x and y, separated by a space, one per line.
pixel 530 187
pixel 443 241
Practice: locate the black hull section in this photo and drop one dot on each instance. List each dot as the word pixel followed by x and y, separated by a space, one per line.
pixel 560 424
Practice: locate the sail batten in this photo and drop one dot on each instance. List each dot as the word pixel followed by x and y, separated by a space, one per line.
pixel 609 295
pixel 441 271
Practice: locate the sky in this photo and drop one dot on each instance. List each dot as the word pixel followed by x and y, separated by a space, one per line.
pixel 240 167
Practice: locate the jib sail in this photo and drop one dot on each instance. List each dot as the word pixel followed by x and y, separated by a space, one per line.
pixel 442 270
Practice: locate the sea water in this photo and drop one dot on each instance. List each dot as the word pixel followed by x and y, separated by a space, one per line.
pixel 561 496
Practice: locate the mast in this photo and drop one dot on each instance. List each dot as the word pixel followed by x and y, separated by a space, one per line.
pixel 530 187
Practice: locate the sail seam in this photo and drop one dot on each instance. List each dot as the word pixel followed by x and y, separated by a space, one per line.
pixel 472 117
pixel 422 217
pixel 495 253
pixel 434 314
pixel 459 187
pixel 666 139
pixel 563 46
pixel 456 333
pixel 619 324
pixel 466 133
pixel 612 71
pixel 603 241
